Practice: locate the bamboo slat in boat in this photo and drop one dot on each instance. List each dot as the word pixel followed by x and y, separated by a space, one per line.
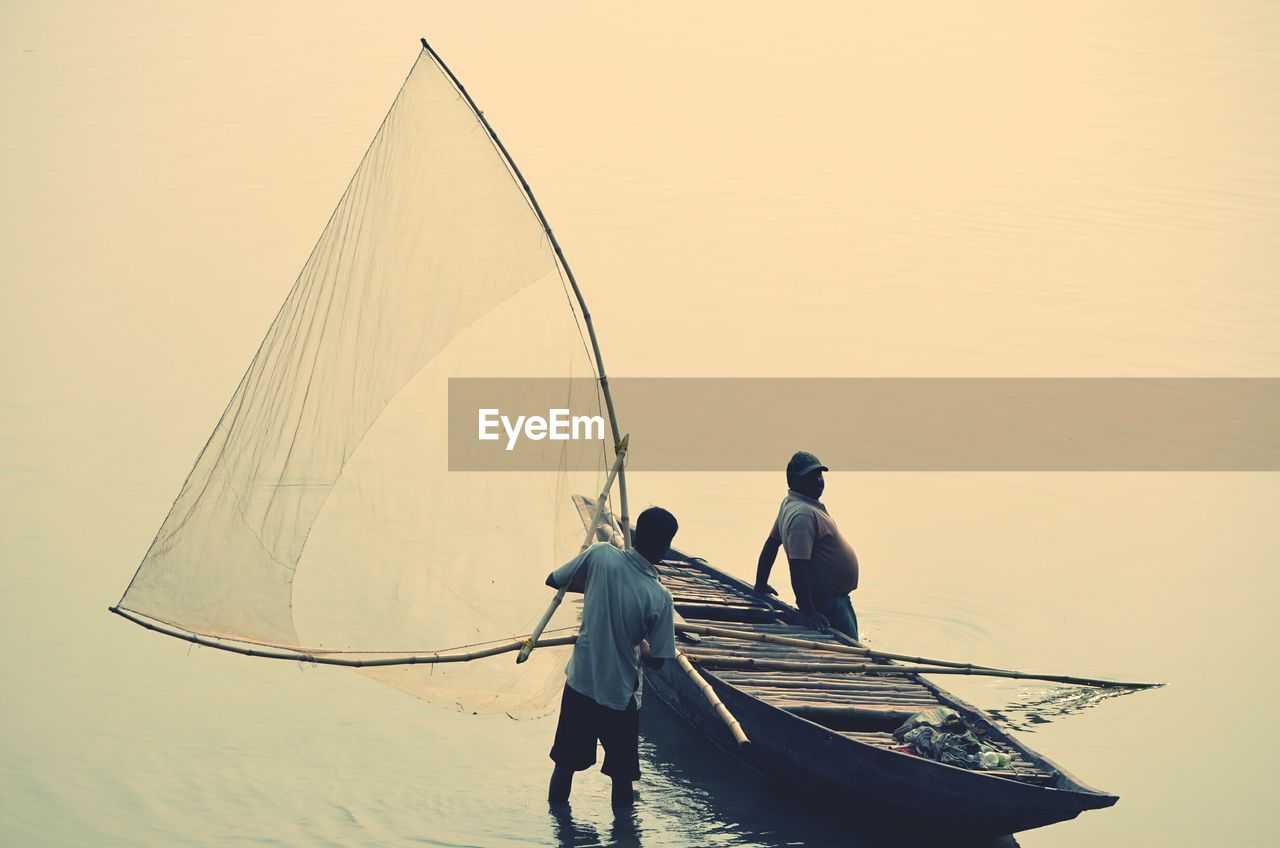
pixel 714 600
pixel 726 613
pixel 825 714
pixel 905 702
pixel 831 688
pixel 824 683
pixel 712 647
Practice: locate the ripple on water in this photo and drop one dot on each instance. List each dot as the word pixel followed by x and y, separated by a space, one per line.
pixel 918 622
pixel 1037 707
pixel 983 631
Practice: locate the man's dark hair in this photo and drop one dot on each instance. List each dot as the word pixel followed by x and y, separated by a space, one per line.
pixel 655 528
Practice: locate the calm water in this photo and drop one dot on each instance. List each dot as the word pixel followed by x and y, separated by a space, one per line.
pixel 998 193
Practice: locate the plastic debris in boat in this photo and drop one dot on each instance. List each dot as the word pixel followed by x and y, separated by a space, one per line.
pixel 941 734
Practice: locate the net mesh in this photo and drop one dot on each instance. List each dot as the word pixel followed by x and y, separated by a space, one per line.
pixel 321 514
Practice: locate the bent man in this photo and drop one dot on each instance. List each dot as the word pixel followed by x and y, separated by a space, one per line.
pixel 824 568
pixel 627 619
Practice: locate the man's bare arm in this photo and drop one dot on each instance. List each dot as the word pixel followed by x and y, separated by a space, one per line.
pixel 801 573
pixel 764 566
pixel 652 662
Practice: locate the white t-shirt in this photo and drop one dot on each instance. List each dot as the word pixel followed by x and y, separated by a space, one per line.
pixel 623 604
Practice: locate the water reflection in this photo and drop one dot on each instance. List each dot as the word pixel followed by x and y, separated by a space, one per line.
pixel 1039 707
pixel 569 832
pixel 720 802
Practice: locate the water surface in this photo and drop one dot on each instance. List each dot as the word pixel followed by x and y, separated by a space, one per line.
pixel 743 191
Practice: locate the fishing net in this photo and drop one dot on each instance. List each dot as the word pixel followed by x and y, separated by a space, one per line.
pixel 322 515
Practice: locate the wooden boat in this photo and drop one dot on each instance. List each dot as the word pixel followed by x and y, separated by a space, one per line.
pixel 827 736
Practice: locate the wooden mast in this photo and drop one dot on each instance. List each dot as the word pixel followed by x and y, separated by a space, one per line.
pixel 625 520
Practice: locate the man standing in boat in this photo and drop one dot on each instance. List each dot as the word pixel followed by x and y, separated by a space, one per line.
pixel 627 619
pixel 824 568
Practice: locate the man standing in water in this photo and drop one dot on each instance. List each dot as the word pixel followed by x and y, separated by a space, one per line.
pixel 627 619
pixel 824 568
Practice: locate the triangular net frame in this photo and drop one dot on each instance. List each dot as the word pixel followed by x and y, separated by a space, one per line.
pixel 321 519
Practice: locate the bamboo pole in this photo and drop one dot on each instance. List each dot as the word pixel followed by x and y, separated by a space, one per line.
pixel 336 657
pixel 619 446
pixel 869 668
pixel 814 645
pixel 734 728
pixel 755 636
pixel 564 263
pixel 596 517
pixel 953 667
pixel 624 523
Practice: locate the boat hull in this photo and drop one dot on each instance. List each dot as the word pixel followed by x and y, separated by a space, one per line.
pixel 817 764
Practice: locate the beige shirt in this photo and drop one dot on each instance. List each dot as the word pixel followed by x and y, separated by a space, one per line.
pixel 806 531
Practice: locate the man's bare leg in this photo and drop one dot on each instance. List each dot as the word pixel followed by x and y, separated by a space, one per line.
pixel 623 795
pixel 561 785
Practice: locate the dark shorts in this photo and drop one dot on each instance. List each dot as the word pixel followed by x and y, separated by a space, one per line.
pixel 583 721
pixel 839 612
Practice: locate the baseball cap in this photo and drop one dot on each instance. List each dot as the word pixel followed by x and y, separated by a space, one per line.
pixel 802 462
